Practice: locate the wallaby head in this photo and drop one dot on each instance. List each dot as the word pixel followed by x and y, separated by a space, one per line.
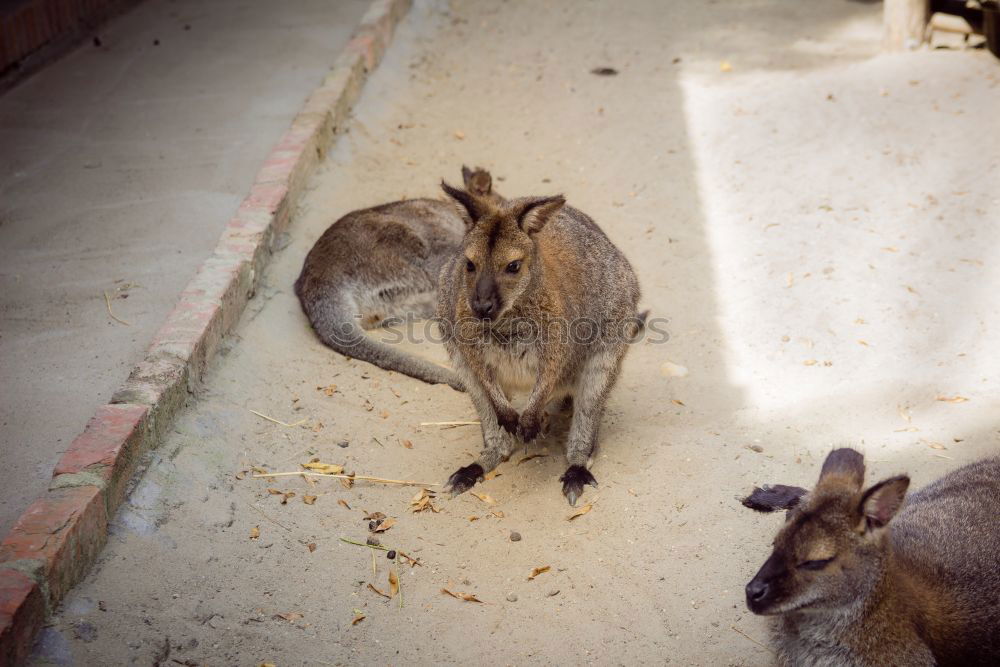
pixel 832 548
pixel 499 248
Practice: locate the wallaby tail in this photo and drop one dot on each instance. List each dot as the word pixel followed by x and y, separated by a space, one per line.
pixel 337 327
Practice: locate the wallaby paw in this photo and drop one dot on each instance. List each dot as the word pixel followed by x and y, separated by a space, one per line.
pixel 530 426
pixel 574 479
pixel 464 479
pixel 772 498
pixel 508 420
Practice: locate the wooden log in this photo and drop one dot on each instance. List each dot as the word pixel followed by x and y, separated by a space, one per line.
pixel 904 24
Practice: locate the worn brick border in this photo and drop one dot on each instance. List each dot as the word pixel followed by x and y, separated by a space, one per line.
pixel 54 543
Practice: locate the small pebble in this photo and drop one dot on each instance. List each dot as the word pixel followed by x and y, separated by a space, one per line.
pixel 391 555
pixel 343 443
pixel 554 592
pixel 511 597
pixel 515 536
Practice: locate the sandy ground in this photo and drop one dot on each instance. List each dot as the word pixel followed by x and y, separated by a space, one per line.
pixel 119 167
pixel 818 223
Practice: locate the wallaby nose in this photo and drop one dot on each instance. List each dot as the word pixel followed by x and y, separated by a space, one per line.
pixel 483 309
pixel 756 591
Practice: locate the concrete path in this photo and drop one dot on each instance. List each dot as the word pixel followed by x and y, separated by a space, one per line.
pixel 817 221
pixel 120 164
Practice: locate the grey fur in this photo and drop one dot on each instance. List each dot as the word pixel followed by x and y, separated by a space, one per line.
pixel 576 274
pixel 379 265
pixel 922 590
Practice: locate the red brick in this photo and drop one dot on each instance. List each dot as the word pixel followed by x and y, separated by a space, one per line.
pixel 297 153
pixel 266 196
pixel 112 429
pixel 218 282
pixel 155 382
pixel 364 43
pixel 110 447
pixel 22 612
pixel 208 308
pixel 62 532
pixel 237 242
pixel 323 100
pixel 267 199
pixel 183 334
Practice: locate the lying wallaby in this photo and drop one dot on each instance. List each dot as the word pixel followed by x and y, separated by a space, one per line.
pixel 537 298
pixel 852 585
pixel 378 266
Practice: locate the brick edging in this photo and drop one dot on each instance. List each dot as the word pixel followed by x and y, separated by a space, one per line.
pixel 57 539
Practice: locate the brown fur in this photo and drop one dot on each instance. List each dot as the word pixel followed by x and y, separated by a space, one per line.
pixel 527 269
pixel 378 266
pixel 907 582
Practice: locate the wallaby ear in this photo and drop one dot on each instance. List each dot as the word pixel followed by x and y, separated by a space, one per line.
pixel 843 468
pixel 537 211
pixel 881 502
pixel 468 205
pixel 477 181
pixel 772 498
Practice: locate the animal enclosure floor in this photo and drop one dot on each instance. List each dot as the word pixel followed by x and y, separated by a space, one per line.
pixel 121 164
pixel 818 223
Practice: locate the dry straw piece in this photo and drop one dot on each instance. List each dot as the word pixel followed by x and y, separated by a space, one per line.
pixel 366 478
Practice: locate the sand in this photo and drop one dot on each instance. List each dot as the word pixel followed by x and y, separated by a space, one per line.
pixel 814 220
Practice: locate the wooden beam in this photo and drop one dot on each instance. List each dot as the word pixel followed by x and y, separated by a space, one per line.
pixel 904 24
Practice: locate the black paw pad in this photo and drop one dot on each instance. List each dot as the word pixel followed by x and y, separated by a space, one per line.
pixel 574 479
pixel 464 479
pixel 772 498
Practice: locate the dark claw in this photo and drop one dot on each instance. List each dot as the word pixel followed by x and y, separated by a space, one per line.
pixel 772 498
pixel 528 428
pixel 464 479
pixel 574 479
pixel 508 421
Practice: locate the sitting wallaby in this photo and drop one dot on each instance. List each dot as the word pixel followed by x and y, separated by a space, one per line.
pixel 378 266
pixel 873 577
pixel 538 298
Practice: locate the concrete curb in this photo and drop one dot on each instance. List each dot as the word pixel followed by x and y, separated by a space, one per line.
pixel 57 539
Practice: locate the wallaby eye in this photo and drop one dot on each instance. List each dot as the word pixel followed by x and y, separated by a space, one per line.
pixel 470 266
pixel 514 266
pixel 815 564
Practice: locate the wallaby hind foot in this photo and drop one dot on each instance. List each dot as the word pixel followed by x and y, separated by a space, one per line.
pixel 464 479
pixel 574 479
